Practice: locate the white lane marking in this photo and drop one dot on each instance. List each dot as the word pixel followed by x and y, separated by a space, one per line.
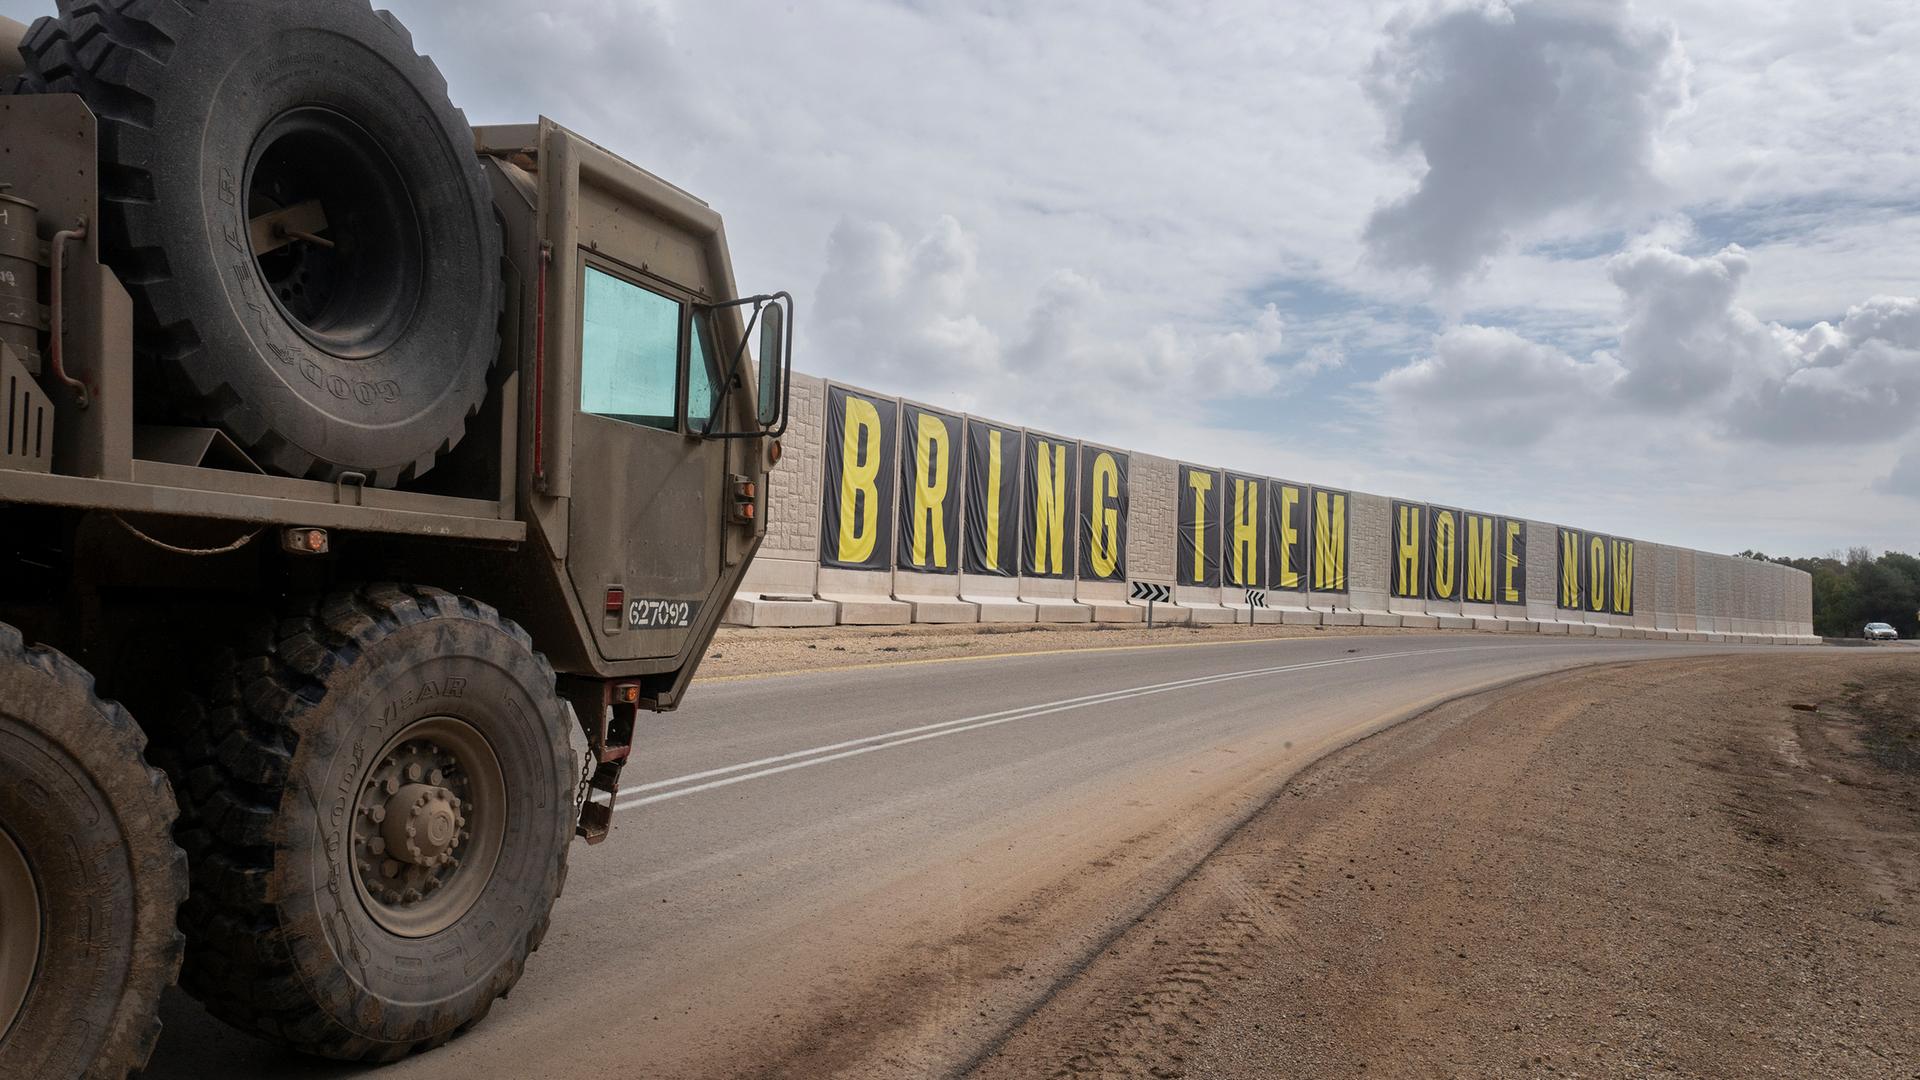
pixel 854 747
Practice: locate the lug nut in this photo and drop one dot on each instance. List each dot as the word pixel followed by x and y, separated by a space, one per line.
pixel 436 778
pixel 413 772
pixel 378 814
pixel 377 845
pixel 390 868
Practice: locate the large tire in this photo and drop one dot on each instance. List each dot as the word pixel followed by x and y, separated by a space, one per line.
pixel 297 929
pixel 87 824
pixel 363 351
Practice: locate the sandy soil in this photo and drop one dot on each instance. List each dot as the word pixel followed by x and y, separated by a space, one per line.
pixel 738 651
pixel 1662 869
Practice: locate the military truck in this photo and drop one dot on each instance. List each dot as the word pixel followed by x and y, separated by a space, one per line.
pixel 364 478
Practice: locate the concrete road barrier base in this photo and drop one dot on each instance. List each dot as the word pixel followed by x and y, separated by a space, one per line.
pixel 1303 618
pixel 1420 622
pixel 1210 614
pixel 1342 618
pixel 869 611
pixel 1380 618
pixel 1555 628
pixel 1117 611
pixel 1455 622
pixel 1608 631
pixel 757 609
pixel 940 609
pixel 1058 611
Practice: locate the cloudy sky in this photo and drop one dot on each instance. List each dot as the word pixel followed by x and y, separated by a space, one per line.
pixel 1647 267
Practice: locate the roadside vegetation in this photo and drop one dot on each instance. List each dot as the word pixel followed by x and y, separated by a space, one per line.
pixel 1854 589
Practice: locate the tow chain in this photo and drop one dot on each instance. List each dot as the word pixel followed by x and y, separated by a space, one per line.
pixel 588 765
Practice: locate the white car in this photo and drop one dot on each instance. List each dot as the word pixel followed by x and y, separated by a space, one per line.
pixel 1879 631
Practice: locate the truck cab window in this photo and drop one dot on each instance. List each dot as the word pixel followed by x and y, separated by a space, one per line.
pixel 630 352
pixel 703 378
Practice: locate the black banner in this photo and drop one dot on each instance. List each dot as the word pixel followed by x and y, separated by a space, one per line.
pixel 1479 558
pixel 929 491
pixel 1510 565
pixel 1047 509
pixel 1104 500
pixel 1288 536
pixel 1329 540
pixel 1443 553
pixel 856 518
pixel 1407 544
pixel 1622 552
pixel 1572 591
pixel 1243 500
pixel 1197 555
pixel 993 499
pixel 1599 564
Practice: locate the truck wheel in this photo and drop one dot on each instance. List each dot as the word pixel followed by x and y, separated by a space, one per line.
pixel 378 823
pixel 90 879
pixel 298 214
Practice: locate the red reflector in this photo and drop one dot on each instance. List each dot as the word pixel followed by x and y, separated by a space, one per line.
pixel 616 599
pixel 774 451
pixel 746 511
pixel 626 693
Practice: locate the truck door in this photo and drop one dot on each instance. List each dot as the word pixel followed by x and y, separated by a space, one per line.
pixel 649 494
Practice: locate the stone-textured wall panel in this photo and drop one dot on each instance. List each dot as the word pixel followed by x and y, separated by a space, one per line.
pixel 793 491
pixel 1369 544
pixel 1666 587
pixel 1151 510
pixel 1646 573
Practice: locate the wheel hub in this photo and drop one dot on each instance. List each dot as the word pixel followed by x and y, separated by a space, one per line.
pixel 19 931
pixel 416 860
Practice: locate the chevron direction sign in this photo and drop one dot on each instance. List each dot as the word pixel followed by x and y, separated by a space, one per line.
pixel 1151 593
pixel 1256 598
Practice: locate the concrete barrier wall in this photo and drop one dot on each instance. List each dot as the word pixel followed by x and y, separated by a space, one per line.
pixel 1677 592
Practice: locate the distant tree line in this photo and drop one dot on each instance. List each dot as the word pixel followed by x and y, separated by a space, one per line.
pixel 1854 589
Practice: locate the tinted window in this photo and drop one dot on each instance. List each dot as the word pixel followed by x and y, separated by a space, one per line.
pixel 703 384
pixel 630 352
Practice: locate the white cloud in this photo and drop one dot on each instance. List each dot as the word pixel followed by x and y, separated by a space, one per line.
pixel 1487 385
pixel 1904 479
pixel 1519 111
pixel 1687 350
pixel 1685 339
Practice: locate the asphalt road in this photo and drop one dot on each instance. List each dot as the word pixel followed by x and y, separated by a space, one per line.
pixel 875 871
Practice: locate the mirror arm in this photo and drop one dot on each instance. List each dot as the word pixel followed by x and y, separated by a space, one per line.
pixel 740 355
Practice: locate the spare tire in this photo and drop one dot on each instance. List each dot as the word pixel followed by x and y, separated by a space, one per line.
pixel 298 213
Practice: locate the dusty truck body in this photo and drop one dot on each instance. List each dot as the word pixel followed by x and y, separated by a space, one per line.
pixel 364 477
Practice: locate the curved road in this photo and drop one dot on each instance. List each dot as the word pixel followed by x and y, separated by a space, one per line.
pixel 875 871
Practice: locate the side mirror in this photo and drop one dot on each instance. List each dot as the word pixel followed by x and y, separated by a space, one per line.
pixel 773 367
pixel 773 314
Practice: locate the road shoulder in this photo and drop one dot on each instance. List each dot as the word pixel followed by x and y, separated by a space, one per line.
pixel 1660 868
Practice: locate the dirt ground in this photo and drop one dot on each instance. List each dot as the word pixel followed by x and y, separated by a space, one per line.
pixel 1663 869
pixel 738 651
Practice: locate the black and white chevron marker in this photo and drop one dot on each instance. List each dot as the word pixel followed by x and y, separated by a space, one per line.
pixel 1150 592
pixel 1256 598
